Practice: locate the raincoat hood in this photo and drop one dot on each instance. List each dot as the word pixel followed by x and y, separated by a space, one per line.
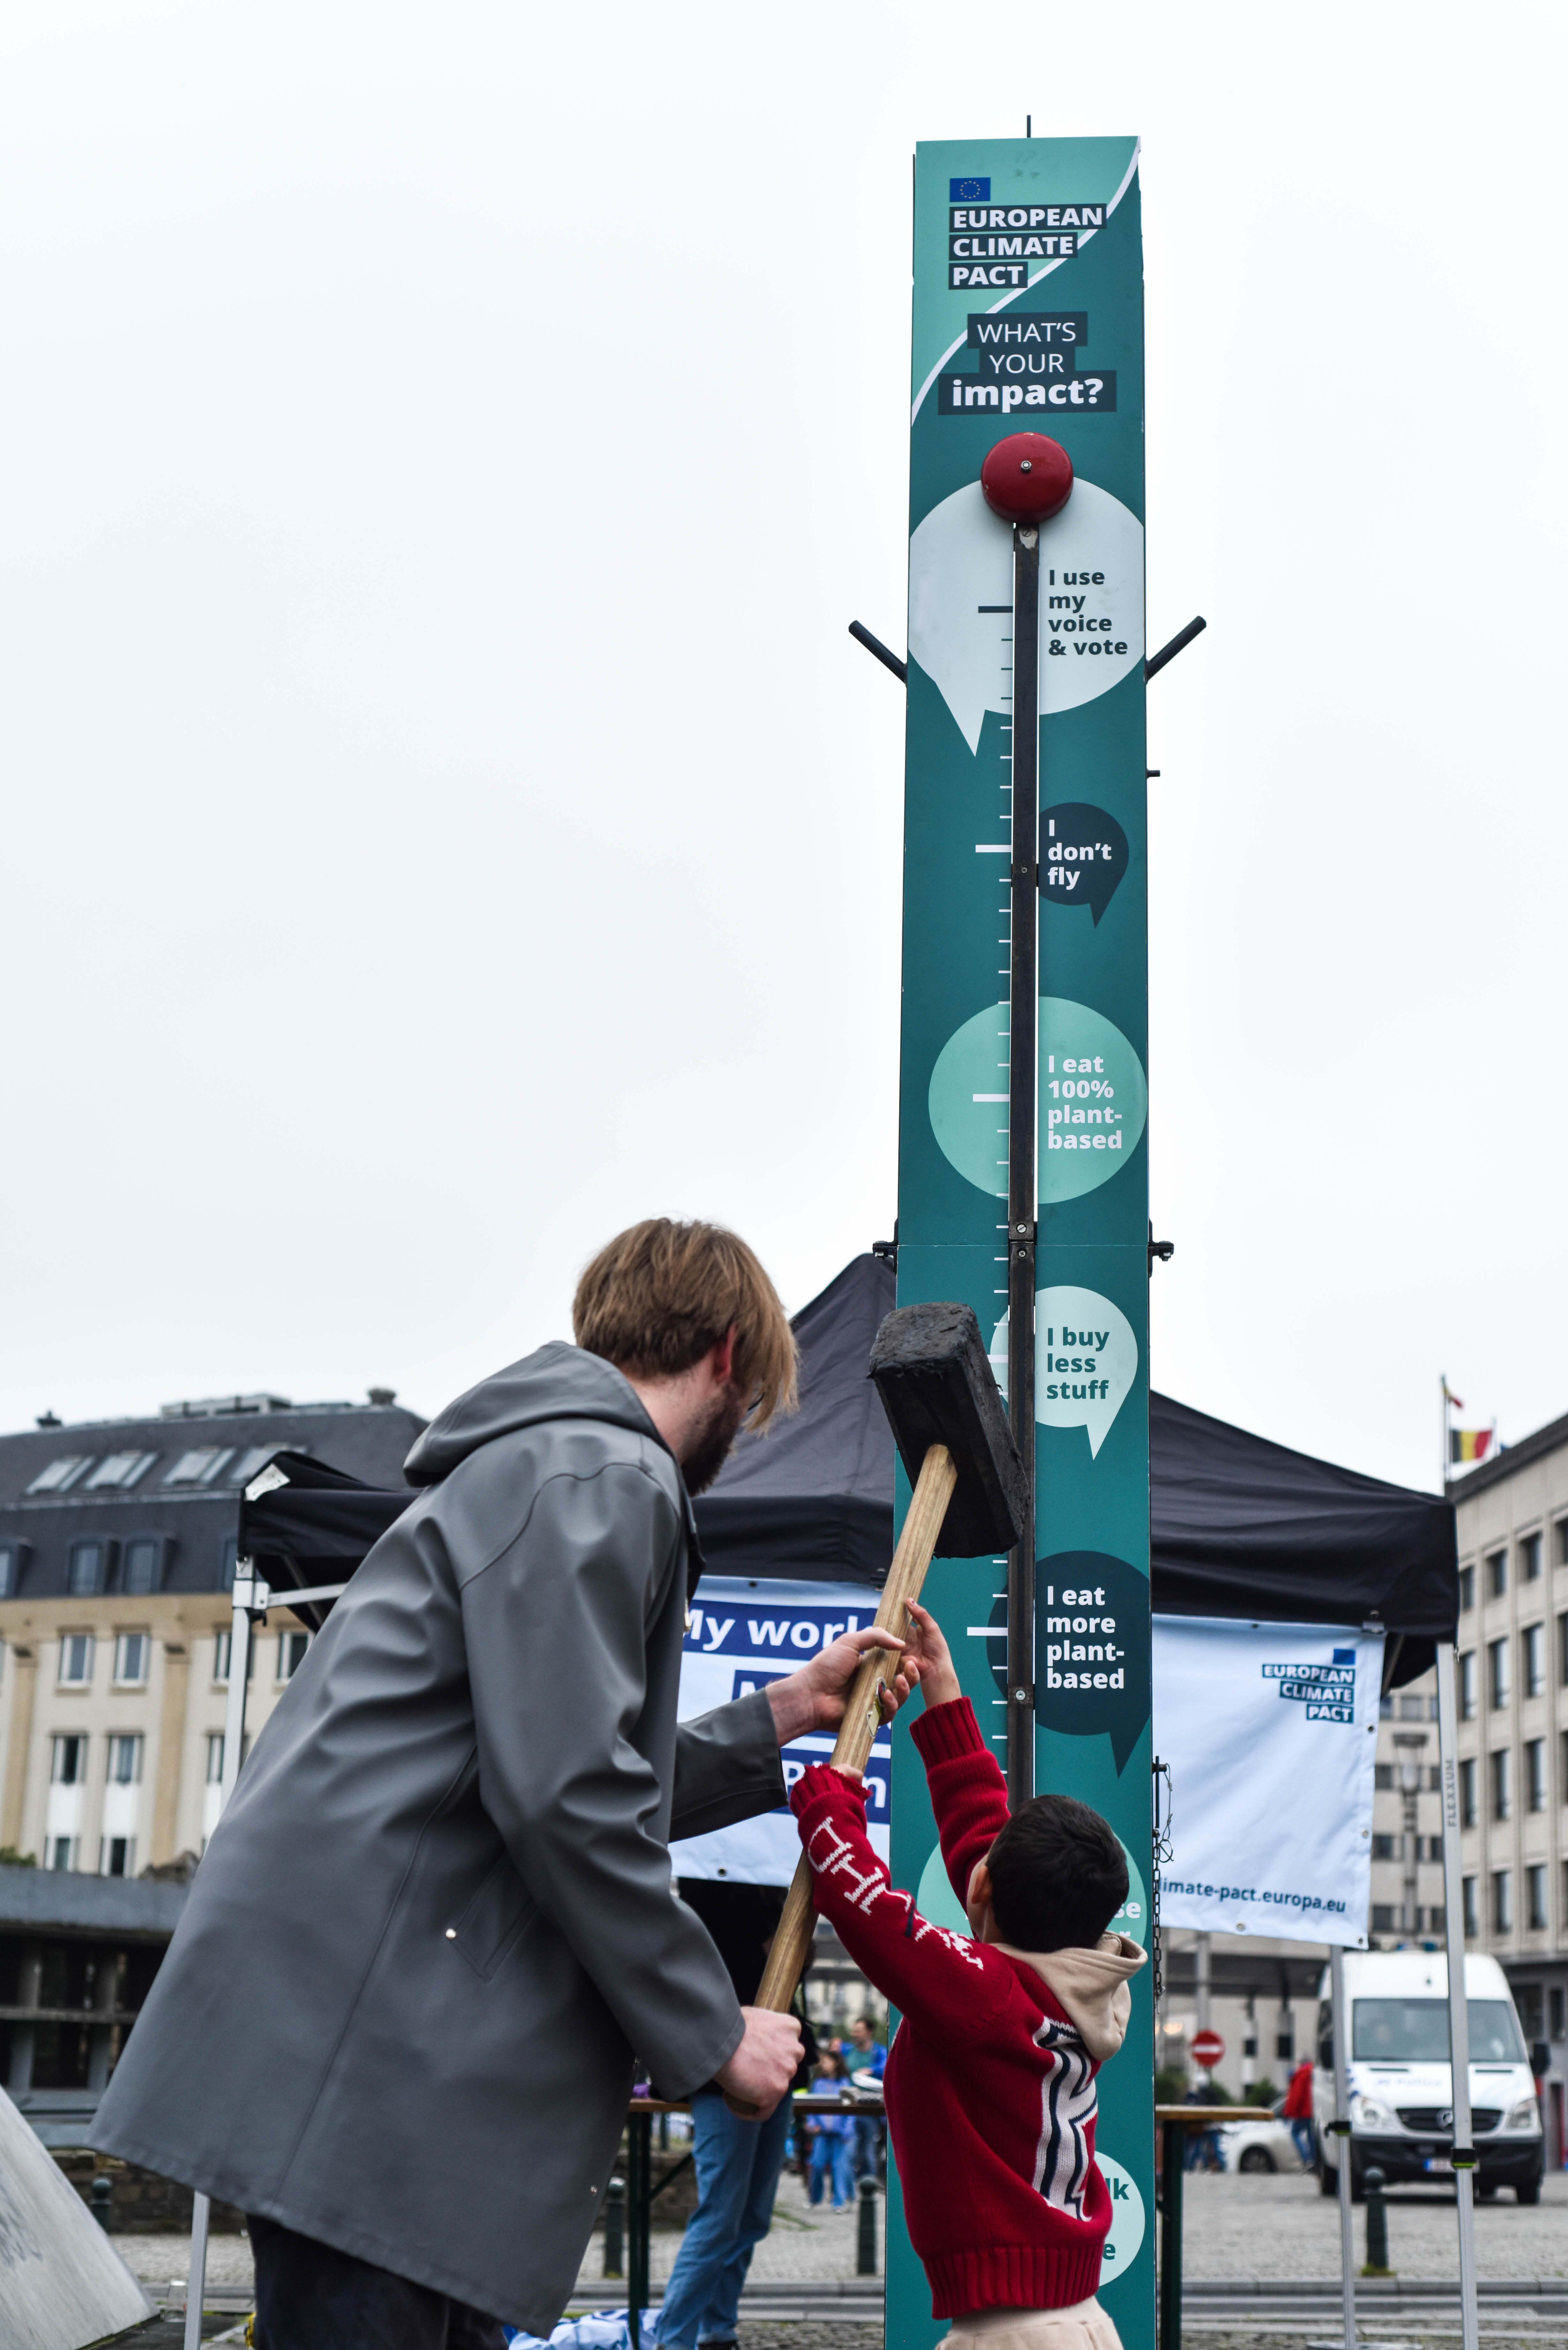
pixel 556 1382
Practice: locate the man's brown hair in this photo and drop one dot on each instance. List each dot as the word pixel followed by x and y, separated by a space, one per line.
pixel 658 1295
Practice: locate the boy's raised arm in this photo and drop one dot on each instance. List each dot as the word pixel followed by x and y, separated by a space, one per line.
pixel 937 1979
pixel 967 1792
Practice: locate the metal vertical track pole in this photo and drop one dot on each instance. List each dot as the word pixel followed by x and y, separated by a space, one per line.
pixel 1464 2159
pixel 1023 1077
pixel 1342 2127
pixel 248 1593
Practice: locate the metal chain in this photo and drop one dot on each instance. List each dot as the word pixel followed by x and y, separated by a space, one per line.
pixel 1160 1851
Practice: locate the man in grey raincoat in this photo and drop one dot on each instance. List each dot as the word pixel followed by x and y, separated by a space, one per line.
pixel 397 2024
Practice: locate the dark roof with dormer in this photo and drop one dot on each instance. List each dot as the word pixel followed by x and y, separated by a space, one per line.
pixel 183 1470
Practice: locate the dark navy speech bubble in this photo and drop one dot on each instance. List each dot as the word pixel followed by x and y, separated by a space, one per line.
pixel 1091 1648
pixel 1083 856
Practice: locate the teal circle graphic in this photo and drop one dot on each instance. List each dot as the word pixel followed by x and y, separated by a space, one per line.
pixel 1132 1917
pixel 935 1898
pixel 1127 2219
pixel 1093 1100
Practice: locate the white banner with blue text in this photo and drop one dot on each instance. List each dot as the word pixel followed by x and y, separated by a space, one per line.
pixel 741 1635
pixel 1270 1732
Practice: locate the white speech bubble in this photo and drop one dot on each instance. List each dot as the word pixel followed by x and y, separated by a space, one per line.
pixel 960 603
pixel 1082 1343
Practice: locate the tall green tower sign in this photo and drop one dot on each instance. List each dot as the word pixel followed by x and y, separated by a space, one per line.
pixel 1023 1150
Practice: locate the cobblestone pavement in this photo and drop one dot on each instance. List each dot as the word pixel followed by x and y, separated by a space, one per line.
pixel 816 2245
pixel 1271 2226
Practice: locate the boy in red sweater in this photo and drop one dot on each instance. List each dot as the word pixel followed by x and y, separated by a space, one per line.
pixel 989 2081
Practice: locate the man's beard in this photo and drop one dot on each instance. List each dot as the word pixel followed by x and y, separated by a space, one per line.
pixel 730 1408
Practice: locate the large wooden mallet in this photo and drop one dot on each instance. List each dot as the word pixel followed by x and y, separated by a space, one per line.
pixel 951 1427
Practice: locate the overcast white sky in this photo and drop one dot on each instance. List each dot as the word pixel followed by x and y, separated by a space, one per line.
pixel 445 817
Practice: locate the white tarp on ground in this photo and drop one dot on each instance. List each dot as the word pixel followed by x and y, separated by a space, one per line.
pixel 61 2281
pixel 742 1635
pixel 1270 1732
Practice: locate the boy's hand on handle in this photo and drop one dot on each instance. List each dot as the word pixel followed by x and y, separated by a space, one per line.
pixel 931 1659
pixel 815 1698
pixel 761 2068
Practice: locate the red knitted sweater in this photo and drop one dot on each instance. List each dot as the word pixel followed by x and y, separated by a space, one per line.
pixel 990 2089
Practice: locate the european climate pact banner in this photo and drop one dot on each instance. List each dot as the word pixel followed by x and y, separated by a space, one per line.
pixel 1271 1734
pixel 741 1635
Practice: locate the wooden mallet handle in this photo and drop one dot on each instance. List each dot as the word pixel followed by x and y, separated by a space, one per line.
pixel 863 1711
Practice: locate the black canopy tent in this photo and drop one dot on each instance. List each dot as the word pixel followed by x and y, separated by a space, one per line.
pixel 1239 1527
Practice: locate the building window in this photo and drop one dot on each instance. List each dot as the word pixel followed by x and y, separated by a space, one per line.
pixel 1434 1848
pixel 1497 1673
pixel 200 1466
pixel 1472 1913
pixel 1383 1775
pixel 1468 1792
pixel 1535 1896
pixel 1555 2011
pixel 214 1758
pixel 228 1561
pixel 1383 1918
pixel 1502 1901
pixel 60 1474
pixel 1502 1784
pixel 13 1558
pixel 61 1851
pixel 88 1572
pixel 68 1760
pixel 125 1760
pixel 1413 1709
pixel 119 1470
pixel 132 1651
pixel 76 1659
pixel 1530 1559
pixel 291 1648
pixel 1563 1649
pixel 143 1568
pixel 1383 1847
pixel 1562 1542
pixel 1385 1708
pixel 1532 1646
pixel 1434 1774
pixel 1468 1585
pixel 1466 1687
pixel 221 1649
pixel 1496 1575
pixel 1536 1775
pixel 116 1857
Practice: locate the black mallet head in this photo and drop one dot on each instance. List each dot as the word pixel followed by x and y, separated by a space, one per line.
pixel 937 1386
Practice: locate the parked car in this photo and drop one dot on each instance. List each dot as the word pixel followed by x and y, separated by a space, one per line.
pixel 1260 2146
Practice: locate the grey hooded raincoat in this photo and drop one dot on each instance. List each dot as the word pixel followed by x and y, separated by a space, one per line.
pixel 436 1921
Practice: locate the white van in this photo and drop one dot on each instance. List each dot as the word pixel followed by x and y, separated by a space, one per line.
pixel 1401 2118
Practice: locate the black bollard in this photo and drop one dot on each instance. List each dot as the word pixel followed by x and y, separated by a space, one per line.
pixel 1376 2224
pixel 614 2220
pixel 866 2242
pixel 102 2190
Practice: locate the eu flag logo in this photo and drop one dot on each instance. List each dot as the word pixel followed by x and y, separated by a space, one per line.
pixel 1344 1656
pixel 969 191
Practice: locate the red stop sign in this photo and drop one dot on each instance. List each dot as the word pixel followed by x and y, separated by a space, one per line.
pixel 1207 2049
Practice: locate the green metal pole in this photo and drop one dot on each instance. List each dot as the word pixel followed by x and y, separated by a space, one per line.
pixel 1173 2170
pixel 640 2215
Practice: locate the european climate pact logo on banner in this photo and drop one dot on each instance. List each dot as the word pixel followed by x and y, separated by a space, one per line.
pixel 742 1635
pixel 1270 1730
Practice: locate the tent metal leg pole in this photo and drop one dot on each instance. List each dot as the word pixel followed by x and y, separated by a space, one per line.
pixel 196 2282
pixel 1172 2170
pixel 245 1593
pixel 1022 1078
pixel 1464 2157
pixel 1342 2120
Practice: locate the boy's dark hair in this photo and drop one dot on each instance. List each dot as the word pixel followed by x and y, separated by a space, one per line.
pixel 1058 1875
